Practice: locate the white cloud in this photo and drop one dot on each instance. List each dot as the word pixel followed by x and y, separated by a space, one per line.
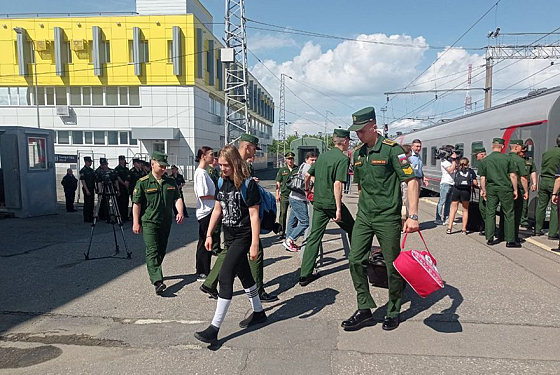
pixel 261 42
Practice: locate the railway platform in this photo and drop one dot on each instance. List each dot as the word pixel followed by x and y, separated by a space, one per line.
pixel 59 314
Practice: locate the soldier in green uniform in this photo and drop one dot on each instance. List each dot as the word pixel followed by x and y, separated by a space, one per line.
pixel 498 184
pixel 282 191
pixel 550 162
pixel 87 177
pixel 516 145
pixel 480 154
pixel 136 173
pixel 156 194
pixel 123 178
pixel 330 172
pixel 380 166
pixel 532 172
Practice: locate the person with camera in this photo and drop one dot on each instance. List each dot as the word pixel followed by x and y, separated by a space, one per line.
pixel 107 184
pixel 448 163
pixel 282 191
pixel 299 216
pixel 154 196
pixel 464 181
pixel 498 185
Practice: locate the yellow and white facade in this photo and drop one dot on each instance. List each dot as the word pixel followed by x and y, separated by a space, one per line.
pixel 124 85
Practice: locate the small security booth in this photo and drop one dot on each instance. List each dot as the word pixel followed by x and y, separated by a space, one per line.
pixel 27 171
pixel 302 146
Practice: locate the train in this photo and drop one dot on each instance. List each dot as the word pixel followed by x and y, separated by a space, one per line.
pixel 534 118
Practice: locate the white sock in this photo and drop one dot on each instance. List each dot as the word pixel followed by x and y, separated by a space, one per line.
pixel 253 295
pixel 221 311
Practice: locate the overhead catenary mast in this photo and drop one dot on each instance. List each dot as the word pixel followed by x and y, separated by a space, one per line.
pixel 236 119
pixel 468 99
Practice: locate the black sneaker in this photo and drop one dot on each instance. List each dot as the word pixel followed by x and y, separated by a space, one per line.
pixel 553 237
pixel 213 293
pixel 253 319
pixel 160 287
pixel 304 281
pixel 201 277
pixel 265 297
pixel 209 335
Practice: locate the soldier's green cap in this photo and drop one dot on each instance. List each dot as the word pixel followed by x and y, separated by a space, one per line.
pixel 479 150
pixel 499 140
pixel 87 158
pixel 136 160
pixel 251 139
pixel 362 117
pixel 342 133
pixel 290 155
pixel 103 161
pixel 160 157
pixel 516 142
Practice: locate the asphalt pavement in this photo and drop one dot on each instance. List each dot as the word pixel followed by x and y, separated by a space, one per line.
pixel 60 314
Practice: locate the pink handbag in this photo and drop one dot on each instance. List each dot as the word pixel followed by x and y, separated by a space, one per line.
pixel 419 270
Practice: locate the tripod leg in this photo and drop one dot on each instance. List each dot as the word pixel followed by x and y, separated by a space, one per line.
pixel 95 216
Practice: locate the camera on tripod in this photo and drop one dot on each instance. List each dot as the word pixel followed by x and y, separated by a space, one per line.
pixel 446 152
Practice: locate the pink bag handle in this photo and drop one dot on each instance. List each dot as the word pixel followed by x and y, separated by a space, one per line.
pixel 422 237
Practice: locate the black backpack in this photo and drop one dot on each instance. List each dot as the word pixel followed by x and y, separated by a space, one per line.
pixel 463 179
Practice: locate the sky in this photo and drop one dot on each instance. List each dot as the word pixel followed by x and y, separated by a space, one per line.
pixel 369 47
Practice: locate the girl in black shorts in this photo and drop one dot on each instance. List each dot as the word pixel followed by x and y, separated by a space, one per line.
pixel 465 180
pixel 239 213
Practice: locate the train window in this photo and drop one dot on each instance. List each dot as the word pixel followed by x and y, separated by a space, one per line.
pixel 434 156
pixel 424 154
pixel 474 146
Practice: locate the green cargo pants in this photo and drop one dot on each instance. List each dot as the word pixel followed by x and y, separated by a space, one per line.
pixel 155 239
pixel 284 204
pixel 518 212
pixel 545 194
pixel 505 198
pixel 321 218
pixel 388 232
pixel 525 214
pixel 482 209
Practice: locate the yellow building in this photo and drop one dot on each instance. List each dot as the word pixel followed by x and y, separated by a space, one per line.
pixel 124 85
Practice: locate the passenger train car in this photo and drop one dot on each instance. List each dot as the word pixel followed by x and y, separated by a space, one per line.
pixel 534 118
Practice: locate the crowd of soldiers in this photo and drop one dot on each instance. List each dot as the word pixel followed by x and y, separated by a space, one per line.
pixel 380 167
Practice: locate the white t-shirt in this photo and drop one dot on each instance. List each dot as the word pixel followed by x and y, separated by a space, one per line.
pixel 446 178
pixel 203 185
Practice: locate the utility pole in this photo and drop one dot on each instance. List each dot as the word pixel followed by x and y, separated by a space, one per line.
pixel 468 99
pixel 282 117
pixel 236 117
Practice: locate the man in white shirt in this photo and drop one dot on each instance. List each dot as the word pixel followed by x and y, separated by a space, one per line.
pixel 448 167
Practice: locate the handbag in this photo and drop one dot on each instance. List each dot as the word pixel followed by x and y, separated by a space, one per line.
pixel 418 268
pixel 296 182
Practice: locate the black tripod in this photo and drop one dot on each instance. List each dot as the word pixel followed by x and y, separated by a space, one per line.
pixel 114 216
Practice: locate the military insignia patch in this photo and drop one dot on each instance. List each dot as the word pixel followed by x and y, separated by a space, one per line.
pixel 135 191
pixel 408 170
pixel 379 162
pixel 358 163
pixel 171 188
pixel 354 118
pixel 152 190
pixel 403 159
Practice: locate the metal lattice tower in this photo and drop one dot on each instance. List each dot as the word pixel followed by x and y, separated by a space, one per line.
pixel 282 117
pixel 236 117
pixel 468 99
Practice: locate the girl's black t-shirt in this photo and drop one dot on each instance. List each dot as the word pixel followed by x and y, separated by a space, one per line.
pixel 235 211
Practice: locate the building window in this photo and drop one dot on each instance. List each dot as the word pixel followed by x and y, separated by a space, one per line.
pixel 144 52
pixel 123 138
pixel 88 138
pixel 99 137
pixel 50 95
pixel 68 52
pixel 61 96
pixel 170 52
pixel 123 95
pixel 113 138
pixel 134 96
pixel 111 96
pixel 97 95
pixel 4 96
pixel 86 95
pixel 75 96
pixel 37 148
pixel 63 137
pixel 106 51
pixel 133 142
pixel 77 137
pixel 130 51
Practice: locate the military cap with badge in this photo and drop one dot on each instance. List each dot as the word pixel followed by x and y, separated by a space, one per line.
pixel 160 157
pixel 251 139
pixel 290 155
pixel 361 118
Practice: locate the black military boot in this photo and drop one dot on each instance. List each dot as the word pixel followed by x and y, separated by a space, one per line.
pixel 359 319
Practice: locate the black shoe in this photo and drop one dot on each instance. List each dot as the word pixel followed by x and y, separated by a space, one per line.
pixel 539 233
pixel 209 335
pixel 160 287
pixel 390 324
pixel 482 233
pixel 513 244
pixel 265 297
pixel 553 237
pixel 359 319
pixel 253 319
pixel 303 281
pixel 493 241
pixel 212 293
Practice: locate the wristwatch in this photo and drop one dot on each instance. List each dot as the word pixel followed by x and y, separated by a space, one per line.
pixel 413 217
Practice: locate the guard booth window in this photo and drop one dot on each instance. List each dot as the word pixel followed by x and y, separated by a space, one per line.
pixel 434 156
pixel 37 153
pixel 475 145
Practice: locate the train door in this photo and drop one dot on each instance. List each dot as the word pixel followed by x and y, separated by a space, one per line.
pixel 536 142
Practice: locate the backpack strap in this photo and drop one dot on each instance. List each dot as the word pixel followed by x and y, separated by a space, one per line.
pixel 244 188
pixel 220 182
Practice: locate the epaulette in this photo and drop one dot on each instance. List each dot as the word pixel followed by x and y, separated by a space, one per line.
pixel 528 163
pixel 389 142
pixel 144 178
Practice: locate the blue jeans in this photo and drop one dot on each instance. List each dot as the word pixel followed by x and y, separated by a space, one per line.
pixel 299 219
pixel 444 202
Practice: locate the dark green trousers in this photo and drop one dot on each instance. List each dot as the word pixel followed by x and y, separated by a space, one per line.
pixel 482 209
pixel 505 199
pixel 545 194
pixel 321 218
pixel 517 212
pixel 525 213
pixel 257 270
pixel 388 234
pixel 284 204
pixel 155 239
pixel 217 238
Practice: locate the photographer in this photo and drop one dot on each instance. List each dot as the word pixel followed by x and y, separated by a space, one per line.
pixel 448 159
